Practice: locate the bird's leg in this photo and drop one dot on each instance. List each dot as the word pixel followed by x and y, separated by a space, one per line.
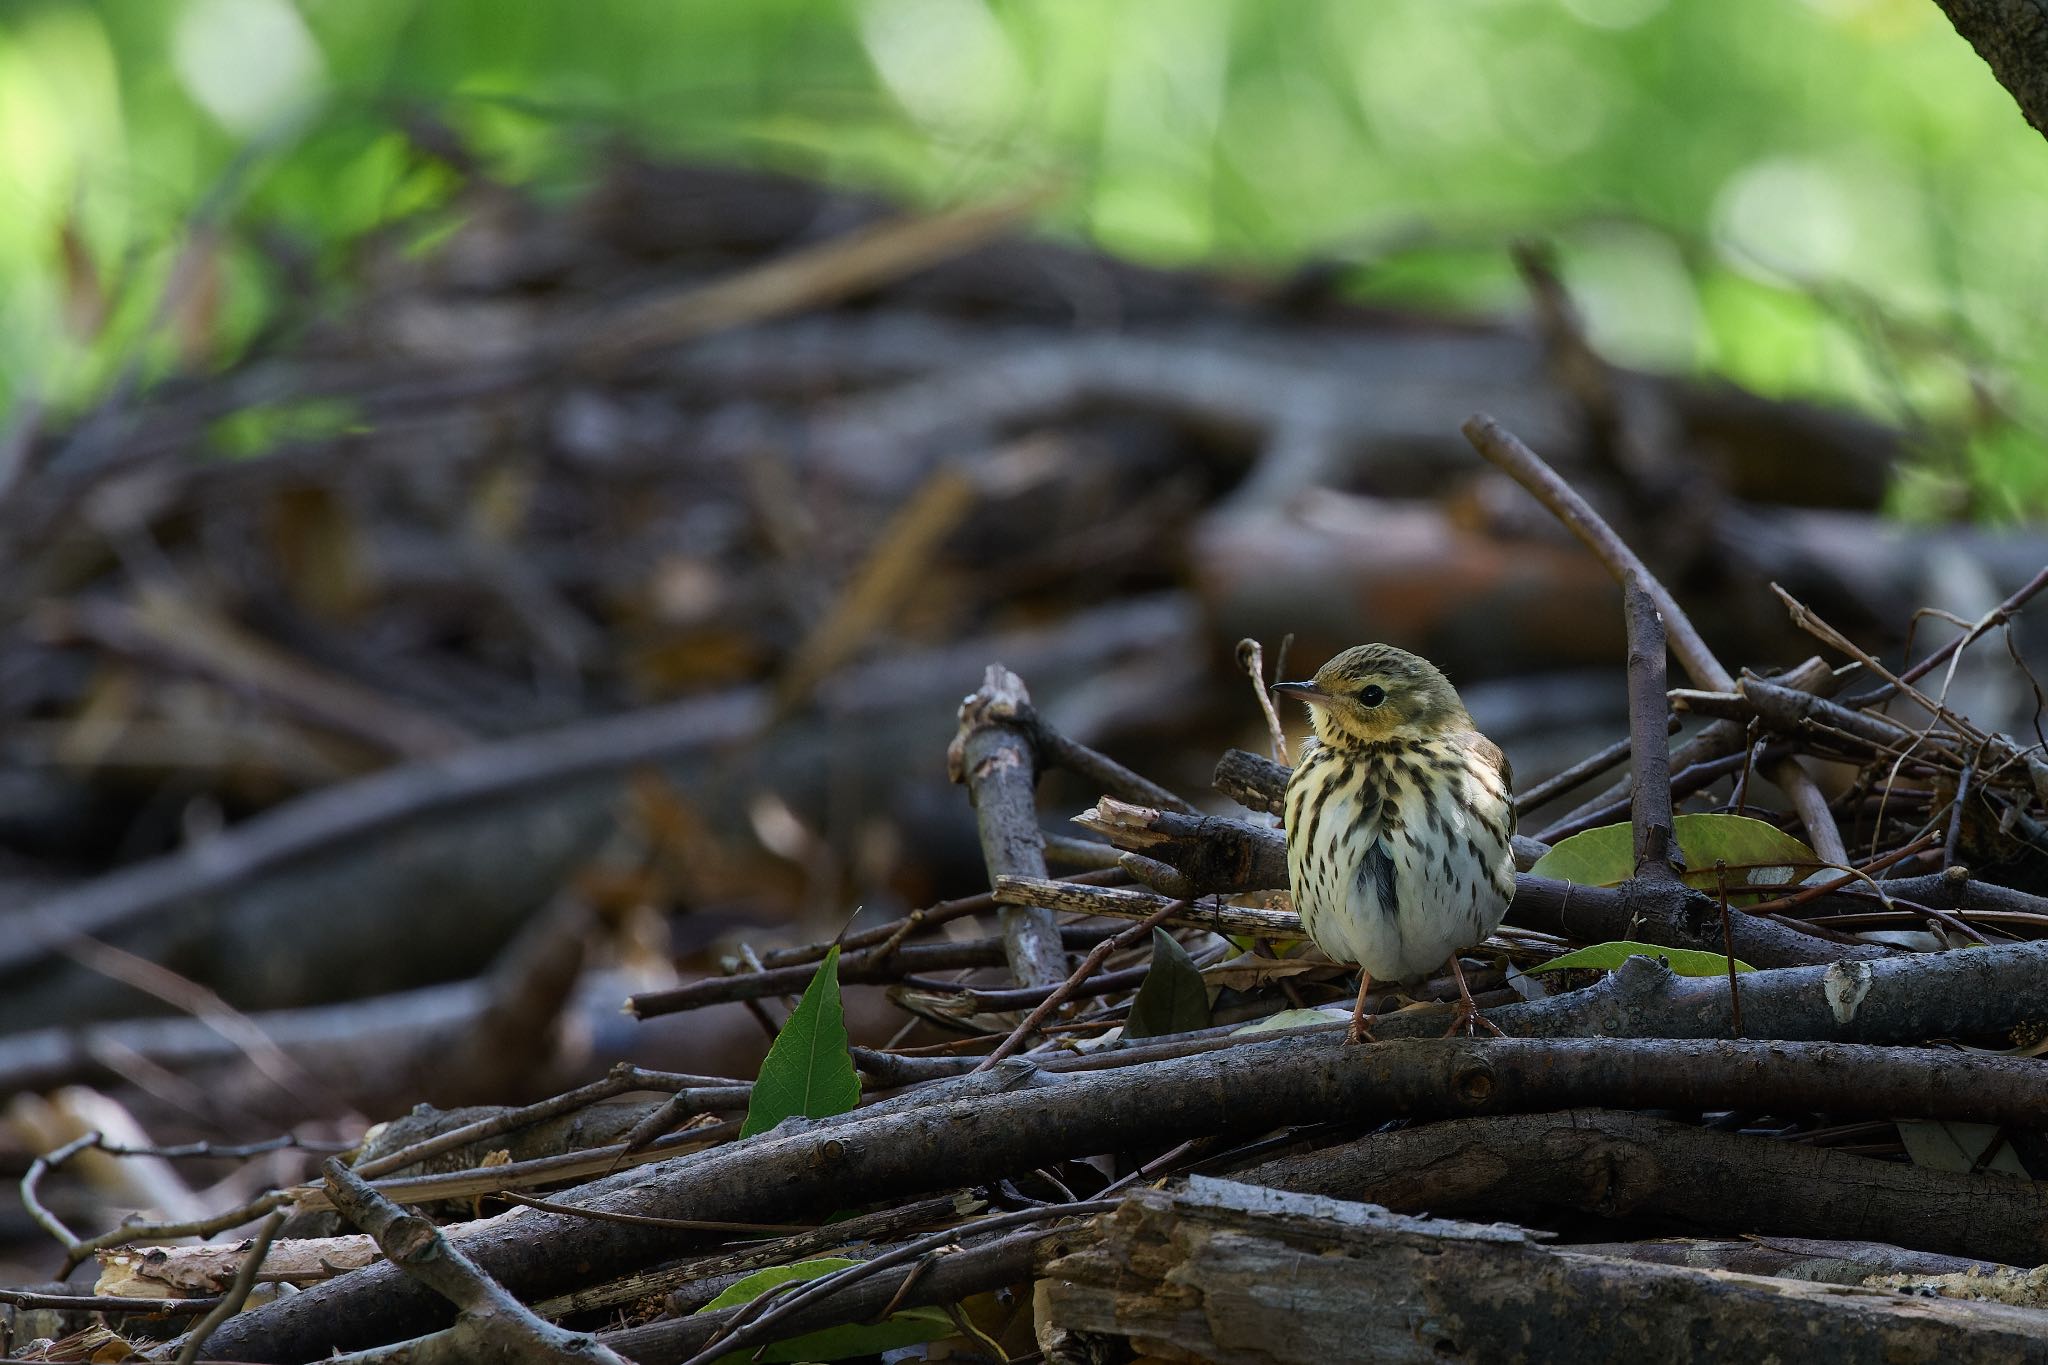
pixel 1465 1014
pixel 1361 1022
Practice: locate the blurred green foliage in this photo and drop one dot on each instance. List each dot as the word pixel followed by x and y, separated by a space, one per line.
pixel 1830 198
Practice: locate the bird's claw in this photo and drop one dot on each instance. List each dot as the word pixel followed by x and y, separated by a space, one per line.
pixel 1467 1020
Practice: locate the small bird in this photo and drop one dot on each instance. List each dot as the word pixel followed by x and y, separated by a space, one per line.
pixel 1400 818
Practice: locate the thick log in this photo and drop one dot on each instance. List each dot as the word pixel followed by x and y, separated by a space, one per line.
pixel 1025 1120
pixel 1620 1165
pixel 1240 1276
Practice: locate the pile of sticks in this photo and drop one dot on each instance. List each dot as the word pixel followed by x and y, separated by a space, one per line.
pixel 580 615
pixel 1765 1116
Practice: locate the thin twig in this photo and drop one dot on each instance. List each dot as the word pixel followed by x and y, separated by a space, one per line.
pixel 190 1227
pixel 1501 447
pixel 1862 874
pixel 1251 661
pixel 617 1082
pixel 1522 464
pixel 1728 950
pixel 1136 933
pixel 108 1303
pixel 238 1292
pixel 1104 771
pixel 31 1194
pixel 2004 611
pixel 824 1285
pixel 884 962
pixel 1750 749
pixel 425 1253
pixel 1955 816
pixel 1585 770
pixel 270 1061
pixel 642 1221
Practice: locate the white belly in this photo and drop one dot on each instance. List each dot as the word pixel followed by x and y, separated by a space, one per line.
pixel 1391 880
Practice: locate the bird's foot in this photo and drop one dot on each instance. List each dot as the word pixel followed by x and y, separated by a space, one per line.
pixel 1361 1022
pixel 1465 1013
pixel 1467 1020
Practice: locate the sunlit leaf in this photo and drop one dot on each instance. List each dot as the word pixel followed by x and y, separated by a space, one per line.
pixel 1285 1019
pixel 1607 956
pixel 906 1328
pixel 808 1072
pixel 1757 855
pixel 1174 998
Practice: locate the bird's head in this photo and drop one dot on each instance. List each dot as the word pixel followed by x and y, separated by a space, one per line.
pixel 1372 693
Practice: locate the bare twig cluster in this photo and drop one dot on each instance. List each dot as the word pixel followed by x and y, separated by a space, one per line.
pixel 1111 1067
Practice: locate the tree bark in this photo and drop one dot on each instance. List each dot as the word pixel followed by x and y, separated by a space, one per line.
pixel 1618 1165
pixel 1226 1273
pixel 2012 38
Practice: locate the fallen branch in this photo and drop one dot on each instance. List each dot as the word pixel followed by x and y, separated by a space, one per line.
pixel 1507 453
pixel 994 755
pixel 1671 914
pixel 494 1325
pixel 1194 1272
pixel 885 962
pixel 1620 1165
pixel 807 1167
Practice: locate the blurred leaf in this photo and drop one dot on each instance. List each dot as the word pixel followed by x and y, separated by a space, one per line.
pixel 808 1072
pixel 907 1328
pixel 313 535
pixel 260 428
pixel 1607 956
pixel 1757 855
pixel 1285 1019
pixel 1959 1147
pixel 1174 998
pixel 83 295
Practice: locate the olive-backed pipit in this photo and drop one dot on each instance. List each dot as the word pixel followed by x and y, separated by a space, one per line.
pixel 1399 818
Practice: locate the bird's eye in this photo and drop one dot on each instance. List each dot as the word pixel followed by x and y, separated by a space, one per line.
pixel 1374 695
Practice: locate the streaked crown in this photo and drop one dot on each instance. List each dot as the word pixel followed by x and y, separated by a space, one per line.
pixel 1372 693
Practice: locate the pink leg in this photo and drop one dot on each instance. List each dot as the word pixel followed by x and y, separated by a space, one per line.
pixel 1361 1022
pixel 1465 1014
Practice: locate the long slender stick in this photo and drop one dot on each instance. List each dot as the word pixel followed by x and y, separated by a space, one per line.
pixel 1650 802
pixel 1585 770
pixel 238 1292
pixel 1506 452
pixel 1527 468
pixel 1996 616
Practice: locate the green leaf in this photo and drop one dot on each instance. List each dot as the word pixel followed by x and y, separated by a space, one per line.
pixel 808 1071
pixel 1758 855
pixel 907 1328
pixel 1285 1019
pixel 1607 956
pixel 1174 998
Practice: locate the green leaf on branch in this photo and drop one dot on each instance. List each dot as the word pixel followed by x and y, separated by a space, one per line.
pixel 1606 957
pixel 1762 860
pixel 808 1072
pixel 1174 998
pixel 1287 1019
pixel 908 1328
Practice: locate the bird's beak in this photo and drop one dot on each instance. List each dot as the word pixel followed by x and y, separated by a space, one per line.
pixel 1302 691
